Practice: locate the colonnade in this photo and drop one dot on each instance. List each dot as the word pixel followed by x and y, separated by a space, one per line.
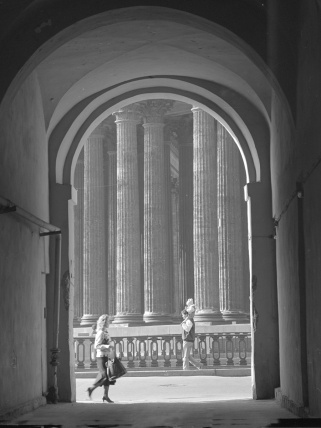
pixel 160 218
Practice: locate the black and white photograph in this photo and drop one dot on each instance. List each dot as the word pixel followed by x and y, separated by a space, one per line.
pixel 160 213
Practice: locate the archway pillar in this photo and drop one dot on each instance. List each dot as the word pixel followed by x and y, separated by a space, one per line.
pixel 263 293
pixel 62 202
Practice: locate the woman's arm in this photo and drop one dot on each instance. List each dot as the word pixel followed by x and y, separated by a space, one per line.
pixel 99 341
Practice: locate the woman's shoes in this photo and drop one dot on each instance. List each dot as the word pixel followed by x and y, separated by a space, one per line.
pixel 107 399
pixel 90 391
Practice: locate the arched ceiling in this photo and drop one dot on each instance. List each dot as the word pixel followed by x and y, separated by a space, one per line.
pixel 147 43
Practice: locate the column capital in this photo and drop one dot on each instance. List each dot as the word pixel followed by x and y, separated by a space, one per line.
pixel 129 113
pixel 195 109
pixel 153 110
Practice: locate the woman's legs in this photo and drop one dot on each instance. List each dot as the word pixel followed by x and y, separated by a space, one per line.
pixel 105 397
pixel 101 376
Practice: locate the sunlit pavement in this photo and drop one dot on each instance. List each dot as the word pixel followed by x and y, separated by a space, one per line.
pixel 170 389
pixel 163 402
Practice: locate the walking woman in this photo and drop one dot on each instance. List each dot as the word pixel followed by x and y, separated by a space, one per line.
pixel 103 350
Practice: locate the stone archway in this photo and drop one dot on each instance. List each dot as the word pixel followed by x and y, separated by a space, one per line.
pixel 260 224
pixel 238 83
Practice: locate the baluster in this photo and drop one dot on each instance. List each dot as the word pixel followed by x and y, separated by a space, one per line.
pixel 216 350
pixel 130 352
pixel 248 345
pixel 92 354
pixel 142 351
pixel 172 342
pixel 202 349
pixel 229 350
pixel 179 351
pixel 195 348
pixel 154 351
pixel 119 346
pixel 167 355
pixel 76 351
pixel 242 349
pixel 80 353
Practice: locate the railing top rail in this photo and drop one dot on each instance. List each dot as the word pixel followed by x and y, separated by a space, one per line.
pixel 113 335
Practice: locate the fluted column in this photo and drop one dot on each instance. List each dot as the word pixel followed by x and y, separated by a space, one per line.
pixel 128 232
pixel 156 243
pixel 140 155
pixel 231 257
pixel 95 290
pixel 178 291
pixel 79 238
pixel 206 269
pixel 185 138
pixel 111 192
pixel 169 153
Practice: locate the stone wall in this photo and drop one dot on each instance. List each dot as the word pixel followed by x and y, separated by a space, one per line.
pixel 295 164
pixel 23 180
pixel 309 131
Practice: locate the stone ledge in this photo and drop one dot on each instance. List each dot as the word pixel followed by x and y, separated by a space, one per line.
pixel 290 405
pixel 163 330
pixel 226 372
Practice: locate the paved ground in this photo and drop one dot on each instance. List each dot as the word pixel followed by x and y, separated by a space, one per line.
pixel 164 402
pixel 169 389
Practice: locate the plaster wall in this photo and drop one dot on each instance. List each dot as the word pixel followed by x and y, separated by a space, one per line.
pixel 284 172
pixel 295 157
pixel 289 307
pixel 312 213
pixel 309 131
pixel 23 180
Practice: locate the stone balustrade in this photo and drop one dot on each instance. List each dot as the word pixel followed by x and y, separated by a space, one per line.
pixel 227 345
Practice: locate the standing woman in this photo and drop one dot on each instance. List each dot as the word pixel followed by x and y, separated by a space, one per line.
pixel 103 350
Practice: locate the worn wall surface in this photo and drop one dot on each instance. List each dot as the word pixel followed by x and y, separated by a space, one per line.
pixel 295 160
pixel 283 173
pixel 309 141
pixel 23 254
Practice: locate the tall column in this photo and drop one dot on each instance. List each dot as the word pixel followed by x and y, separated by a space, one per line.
pixel 231 257
pixel 140 155
pixel 128 233
pixel 185 138
pixel 170 170
pixel 206 268
pixel 79 239
pixel 156 262
pixel 95 291
pixel 178 291
pixel 111 193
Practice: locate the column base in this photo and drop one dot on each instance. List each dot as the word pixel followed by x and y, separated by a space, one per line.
pixel 157 319
pixel 77 322
pixel 127 320
pixel 209 317
pixel 235 317
pixel 88 320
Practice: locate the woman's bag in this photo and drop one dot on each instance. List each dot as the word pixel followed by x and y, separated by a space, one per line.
pixel 115 368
